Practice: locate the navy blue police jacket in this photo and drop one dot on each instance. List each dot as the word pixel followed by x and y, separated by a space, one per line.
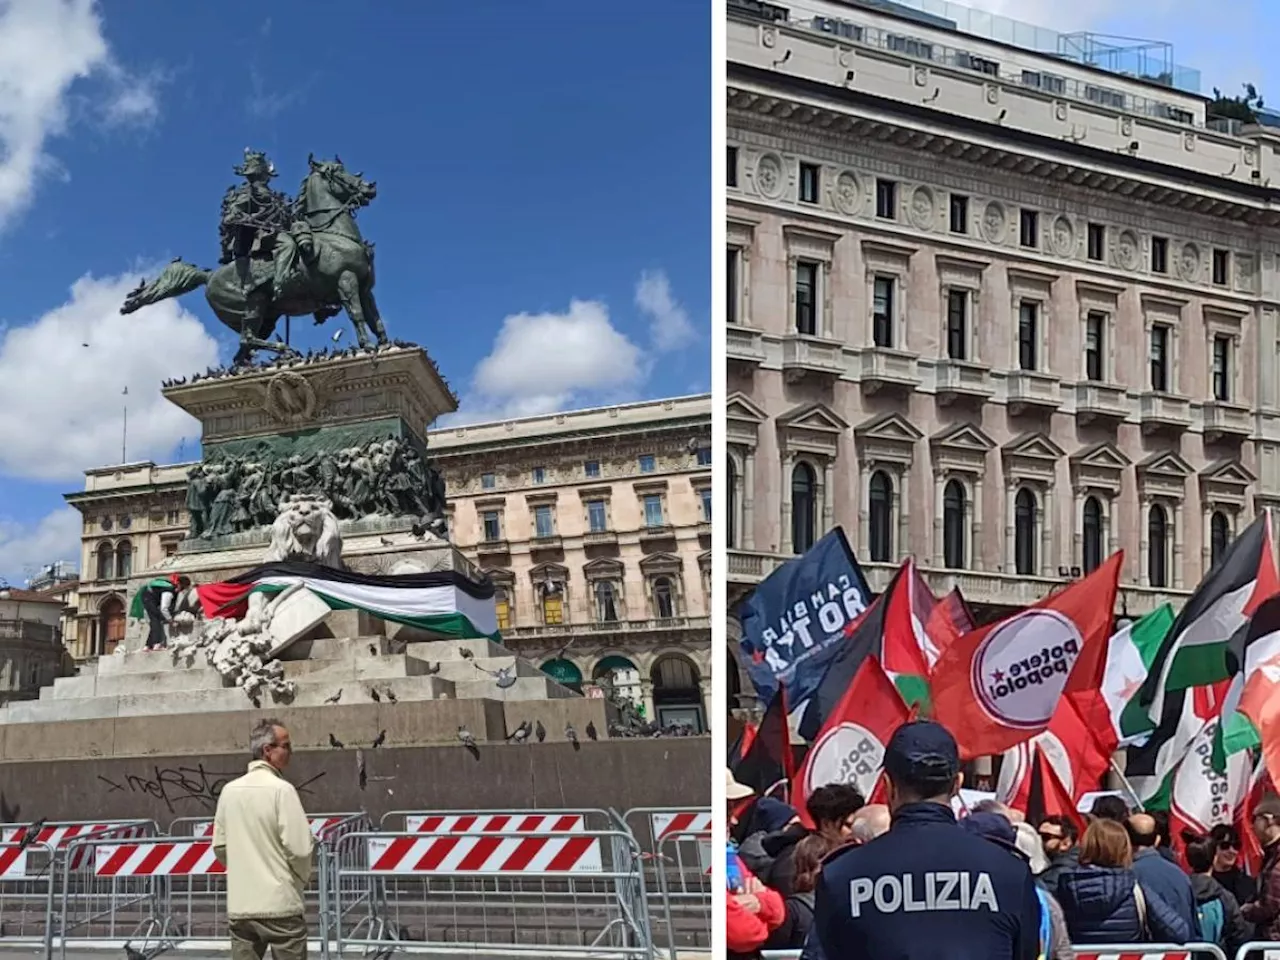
pixel 926 890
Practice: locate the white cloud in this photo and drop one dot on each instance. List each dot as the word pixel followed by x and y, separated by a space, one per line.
pixel 542 362
pixel 669 326
pixel 63 402
pixel 133 99
pixel 45 47
pixel 55 537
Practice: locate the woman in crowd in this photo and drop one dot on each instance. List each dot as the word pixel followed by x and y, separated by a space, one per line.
pixel 798 907
pixel 1102 900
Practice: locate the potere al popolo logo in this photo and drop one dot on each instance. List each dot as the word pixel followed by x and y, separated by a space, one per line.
pixel 1021 668
pixel 848 754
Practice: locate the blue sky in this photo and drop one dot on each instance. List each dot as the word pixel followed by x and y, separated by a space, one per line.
pixel 542 222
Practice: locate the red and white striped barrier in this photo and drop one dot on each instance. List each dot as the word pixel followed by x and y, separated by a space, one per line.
pixel 505 823
pixel 13 862
pixel 163 858
pixel 203 829
pixel 1135 955
pixel 683 826
pixel 492 855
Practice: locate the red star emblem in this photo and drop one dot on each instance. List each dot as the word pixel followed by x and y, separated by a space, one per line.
pixel 997 676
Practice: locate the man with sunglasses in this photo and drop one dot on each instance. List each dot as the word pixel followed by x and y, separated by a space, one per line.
pixel 1265 910
pixel 1058 834
pixel 1226 863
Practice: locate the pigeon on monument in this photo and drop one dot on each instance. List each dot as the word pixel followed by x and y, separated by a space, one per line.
pixel 373 649
pixel 31 834
pixel 374 693
pixel 540 732
pixel 572 736
pixel 391 695
pixel 335 698
pixel 336 743
pixel 591 730
pixel 431 668
pixel 466 736
pixel 521 734
pixel 466 654
pixel 380 739
pixel 505 677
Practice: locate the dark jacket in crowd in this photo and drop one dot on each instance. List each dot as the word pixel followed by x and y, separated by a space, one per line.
pixel 1058 865
pixel 1237 883
pixel 771 857
pixel 1235 930
pixel 794 929
pixel 1265 910
pixel 1167 881
pixel 1100 907
pixel 903 896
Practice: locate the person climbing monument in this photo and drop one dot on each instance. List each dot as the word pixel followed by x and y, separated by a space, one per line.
pixel 156 600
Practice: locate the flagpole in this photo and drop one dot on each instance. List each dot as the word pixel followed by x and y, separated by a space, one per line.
pixel 124 432
pixel 1126 786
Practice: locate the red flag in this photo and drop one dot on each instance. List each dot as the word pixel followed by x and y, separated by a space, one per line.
pixel 1069 746
pixel 949 620
pixel 850 748
pixel 769 759
pixel 907 653
pixel 1047 796
pixel 1250 847
pixel 1000 684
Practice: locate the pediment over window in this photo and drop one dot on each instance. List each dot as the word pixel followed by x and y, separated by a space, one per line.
pixel 704 561
pixel 1032 456
pixel 812 428
pixel 549 573
pixel 962 447
pixel 888 439
pixel 742 420
pixel 501 577
pixel 1226 482
pixel 1099 467
pixel 1164 475
pixel 603 569
pixel 657 563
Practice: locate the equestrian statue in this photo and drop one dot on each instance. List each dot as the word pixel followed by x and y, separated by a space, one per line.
pixel 283 257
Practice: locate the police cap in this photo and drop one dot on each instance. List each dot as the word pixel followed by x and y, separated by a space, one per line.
pixel 922 750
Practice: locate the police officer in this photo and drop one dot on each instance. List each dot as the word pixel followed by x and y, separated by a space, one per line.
pixel 926 890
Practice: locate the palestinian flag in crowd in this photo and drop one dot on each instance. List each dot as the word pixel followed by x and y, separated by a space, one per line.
pixel 136 610
pixel 1254 657
pixel 445 603
pixel 1129 657
pixel 907 654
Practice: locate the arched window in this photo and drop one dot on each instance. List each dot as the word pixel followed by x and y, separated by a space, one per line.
pixel 606 602
pixel 1158 546
pixel 1024 532
pixel 664 602
pixel 880 517
pixel 804 507
pixel 731 533
pixel 502 606
pixel 106 562
pixel 124 560
pixel 1219 536
pixel 1092 534
pixel 953 525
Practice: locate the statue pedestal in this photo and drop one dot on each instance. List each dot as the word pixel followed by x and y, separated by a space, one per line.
pixel 319 405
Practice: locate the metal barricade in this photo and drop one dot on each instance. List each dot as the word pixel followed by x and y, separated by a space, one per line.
pixel 568 893
pixel 1149 951
pixel 497 821
pixel 1259 950
pixel 675 844
pixel 28 876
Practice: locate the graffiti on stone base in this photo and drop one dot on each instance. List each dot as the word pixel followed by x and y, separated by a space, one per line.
pixel 184 787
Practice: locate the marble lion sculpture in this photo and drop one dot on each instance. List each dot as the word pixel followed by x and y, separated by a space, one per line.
pixel 306 529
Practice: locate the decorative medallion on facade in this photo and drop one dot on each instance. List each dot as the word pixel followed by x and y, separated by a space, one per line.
pixel 1189 263
pixel 847 194
pixel 1064 237
pixel 921 209
pixel 994 223
pixel 1127 251
pixel 769 176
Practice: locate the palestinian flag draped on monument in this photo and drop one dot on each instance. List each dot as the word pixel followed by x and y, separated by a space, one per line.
pixel 446 602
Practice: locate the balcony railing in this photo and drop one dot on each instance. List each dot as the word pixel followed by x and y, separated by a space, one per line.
pixel 593 628
pixel 32 630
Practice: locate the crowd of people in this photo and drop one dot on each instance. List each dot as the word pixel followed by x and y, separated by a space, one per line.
pixel 910 879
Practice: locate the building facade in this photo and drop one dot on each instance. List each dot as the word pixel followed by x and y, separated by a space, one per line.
pixel 595 525
pixel 31 651
pixel 999 310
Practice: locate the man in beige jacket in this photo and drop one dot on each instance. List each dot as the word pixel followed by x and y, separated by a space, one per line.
pixel 261 835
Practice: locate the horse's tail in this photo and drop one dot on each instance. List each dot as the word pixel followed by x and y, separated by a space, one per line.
pixel 176 279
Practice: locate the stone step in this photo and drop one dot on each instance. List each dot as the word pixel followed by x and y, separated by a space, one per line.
pixel 462 671
pixel 525 688
pixel 406 689
pixel 445 651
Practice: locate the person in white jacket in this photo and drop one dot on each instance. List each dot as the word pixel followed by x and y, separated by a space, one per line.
pixel 261 835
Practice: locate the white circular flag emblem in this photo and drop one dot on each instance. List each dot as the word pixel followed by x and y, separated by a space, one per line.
pixel 1021 668
pixel 848 754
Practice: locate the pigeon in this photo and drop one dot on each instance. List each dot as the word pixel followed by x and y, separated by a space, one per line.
pixel 391 695
pixel 466 737
pixel 466 654
pixel 571 735
pixel 373 649
pixel 374 693
pixel 336 743
pixel 31 834
pixel 419 530
pixel 541 732
pixel 521 733
pixel 380 739
pixel 362 775
pixel 386 541
pixel 432 668
pixel 591 731
pixel 505 677
pixel 335 698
